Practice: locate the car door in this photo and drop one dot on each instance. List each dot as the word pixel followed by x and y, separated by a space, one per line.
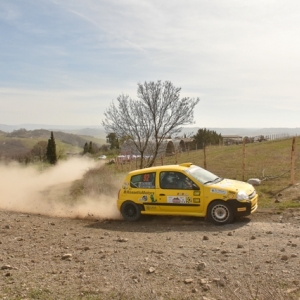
pixel 178 193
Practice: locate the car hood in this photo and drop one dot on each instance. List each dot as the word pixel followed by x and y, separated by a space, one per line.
pixel 232 186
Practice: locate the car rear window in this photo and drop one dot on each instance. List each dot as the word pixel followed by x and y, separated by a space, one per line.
pixel 145 180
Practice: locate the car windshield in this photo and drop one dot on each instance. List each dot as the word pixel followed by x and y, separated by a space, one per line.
pixel 202 175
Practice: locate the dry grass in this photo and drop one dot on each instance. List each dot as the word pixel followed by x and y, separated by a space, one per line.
pixel 104 180
pixel 269 161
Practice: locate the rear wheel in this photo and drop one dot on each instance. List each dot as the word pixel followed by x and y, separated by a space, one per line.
pixel 220 212
pixel 130 211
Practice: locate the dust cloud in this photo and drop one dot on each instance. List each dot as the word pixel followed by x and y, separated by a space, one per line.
pixel 47 192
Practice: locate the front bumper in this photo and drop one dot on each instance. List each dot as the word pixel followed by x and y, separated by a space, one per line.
pixel 245 208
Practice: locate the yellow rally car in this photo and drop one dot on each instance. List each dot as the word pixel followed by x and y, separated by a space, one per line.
pixel 185 190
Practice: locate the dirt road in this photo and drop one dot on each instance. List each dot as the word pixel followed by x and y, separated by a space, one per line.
pixel 155 258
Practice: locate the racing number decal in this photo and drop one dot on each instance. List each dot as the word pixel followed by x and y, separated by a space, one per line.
pixel 146 177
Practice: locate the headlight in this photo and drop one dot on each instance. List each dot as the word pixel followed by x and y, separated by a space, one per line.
pixel 242 195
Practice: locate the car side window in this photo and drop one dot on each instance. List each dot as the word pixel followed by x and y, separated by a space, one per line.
pixel 175 180
pixel 168 180
pixel 146 181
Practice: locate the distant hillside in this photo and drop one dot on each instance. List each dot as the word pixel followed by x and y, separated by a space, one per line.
pixel 22 140
pixel 66 138
pixel 99 132
pixel 250 132
pixel 95 131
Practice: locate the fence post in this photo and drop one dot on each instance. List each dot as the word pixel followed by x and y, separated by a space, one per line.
pixel 204 155
pixel 293 161
pixel 243 161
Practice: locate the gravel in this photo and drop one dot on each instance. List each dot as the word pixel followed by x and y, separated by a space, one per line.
pixel 44 257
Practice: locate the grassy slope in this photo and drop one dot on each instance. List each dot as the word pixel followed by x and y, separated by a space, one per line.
pixel 269 161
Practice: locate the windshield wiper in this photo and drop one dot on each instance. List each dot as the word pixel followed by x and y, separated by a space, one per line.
pixel 211 181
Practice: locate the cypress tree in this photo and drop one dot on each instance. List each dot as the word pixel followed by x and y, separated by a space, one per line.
pixel 91 148
pixel 112 140
pixel 85 148
pixel 51 150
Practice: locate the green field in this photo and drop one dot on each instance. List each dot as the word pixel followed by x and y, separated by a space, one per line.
pixel 17 143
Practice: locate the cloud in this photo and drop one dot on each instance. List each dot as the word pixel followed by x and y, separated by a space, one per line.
pixel 223 52
pixel 68 107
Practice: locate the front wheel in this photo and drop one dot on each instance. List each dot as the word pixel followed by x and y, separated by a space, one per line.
pixel 220 212
pixel 130 211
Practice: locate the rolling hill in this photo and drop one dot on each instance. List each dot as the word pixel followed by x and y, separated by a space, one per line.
pixel 21 141
pixel 99 132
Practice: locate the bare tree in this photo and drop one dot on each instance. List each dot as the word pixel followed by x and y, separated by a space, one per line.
pixel 158 113
pixel 129 120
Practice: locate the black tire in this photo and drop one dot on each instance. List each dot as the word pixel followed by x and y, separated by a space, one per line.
pixel 220 212
pixel 130 211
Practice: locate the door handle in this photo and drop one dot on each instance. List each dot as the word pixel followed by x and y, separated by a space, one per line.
pixel 162 195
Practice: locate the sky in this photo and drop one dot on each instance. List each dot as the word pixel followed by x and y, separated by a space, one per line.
pixel 65 62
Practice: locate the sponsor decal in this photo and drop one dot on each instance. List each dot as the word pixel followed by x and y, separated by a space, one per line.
pixel 196 193
pixel 241 209
pixel 217 191
pixel 152 198
pixel 188 200
pixel 176 199
pixel 144 198
pixel 150 207
pixel 146 185
pixel 137 192
pixel 196 200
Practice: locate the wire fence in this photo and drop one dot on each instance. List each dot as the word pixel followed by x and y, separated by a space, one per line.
pixel 265 160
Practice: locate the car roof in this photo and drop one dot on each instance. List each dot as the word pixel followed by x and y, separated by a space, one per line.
pixel 181 167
